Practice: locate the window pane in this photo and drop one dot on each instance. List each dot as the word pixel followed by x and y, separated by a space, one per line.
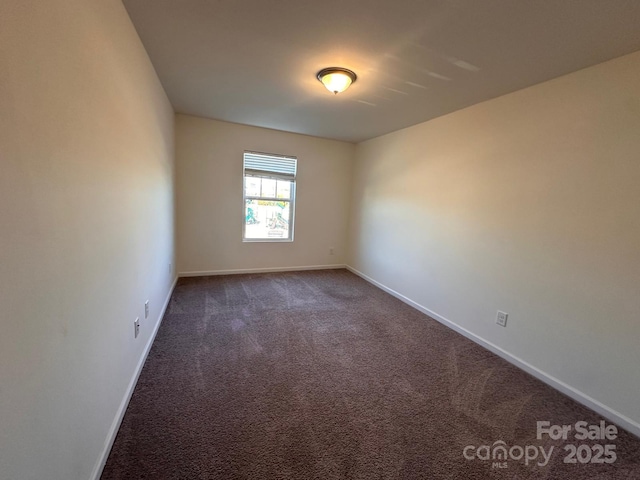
pixel 268 187
pixel 266 219
pixel 284 189
pixel 252 186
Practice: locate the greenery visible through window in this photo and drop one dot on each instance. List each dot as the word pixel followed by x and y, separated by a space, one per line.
pixel 269 195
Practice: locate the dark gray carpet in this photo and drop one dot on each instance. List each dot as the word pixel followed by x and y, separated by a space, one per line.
pixel 319 375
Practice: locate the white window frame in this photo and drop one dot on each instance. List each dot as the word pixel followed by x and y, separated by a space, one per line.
pixel 275 176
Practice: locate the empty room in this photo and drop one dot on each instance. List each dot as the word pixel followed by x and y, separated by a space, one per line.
pixel 245 239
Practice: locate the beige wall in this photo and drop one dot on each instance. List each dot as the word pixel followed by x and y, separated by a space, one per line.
pixel 528 203
pixel 86 228
pixel 209 197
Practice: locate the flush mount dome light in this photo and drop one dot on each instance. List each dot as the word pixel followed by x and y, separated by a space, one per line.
pixel 336 79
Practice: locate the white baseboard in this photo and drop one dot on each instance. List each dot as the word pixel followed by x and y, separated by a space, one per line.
pixel 115 426
pixel 610 414
pixel 259 270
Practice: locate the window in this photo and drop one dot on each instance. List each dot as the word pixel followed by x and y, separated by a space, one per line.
pixel 269 193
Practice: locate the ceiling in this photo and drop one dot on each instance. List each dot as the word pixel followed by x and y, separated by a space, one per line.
pixel 254 61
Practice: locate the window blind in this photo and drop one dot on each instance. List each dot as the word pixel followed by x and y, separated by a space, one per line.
pixel 263 164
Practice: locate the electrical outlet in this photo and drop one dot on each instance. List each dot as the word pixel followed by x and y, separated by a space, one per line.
pixel 146 309
pixel 136 327
pixel 501 318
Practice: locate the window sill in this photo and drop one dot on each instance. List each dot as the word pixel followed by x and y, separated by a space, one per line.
pixel 267 240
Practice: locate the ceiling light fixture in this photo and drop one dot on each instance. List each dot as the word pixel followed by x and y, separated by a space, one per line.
pixel 336 79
